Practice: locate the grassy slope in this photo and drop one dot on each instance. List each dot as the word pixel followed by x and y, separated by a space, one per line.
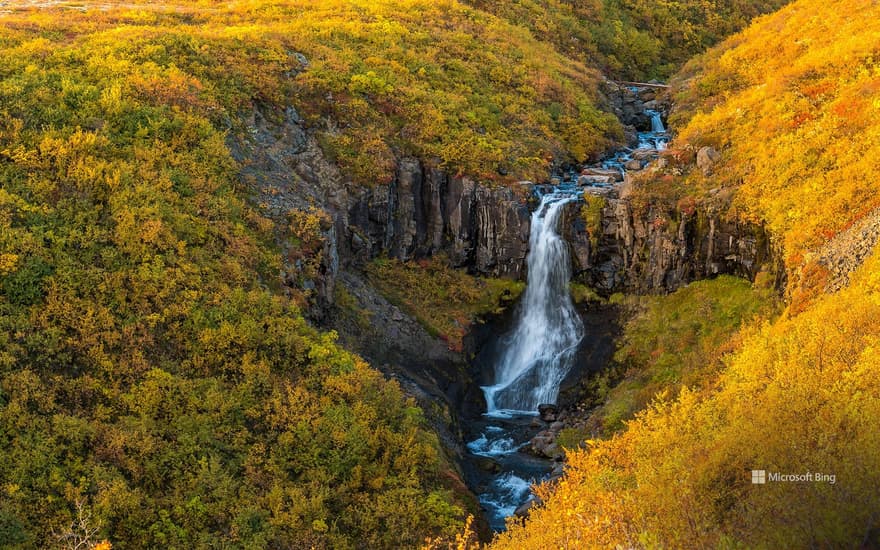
pixel 631 40
pixel 797 129
pixel 152 368
pixel 676 341
pixel 445 300
pixel 440 80
pixel 790 102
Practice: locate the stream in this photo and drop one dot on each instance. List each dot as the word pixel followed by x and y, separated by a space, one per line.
pixel 534 356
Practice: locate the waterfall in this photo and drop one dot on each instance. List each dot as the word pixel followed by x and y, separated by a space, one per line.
pixel 656 123
pixel 538 353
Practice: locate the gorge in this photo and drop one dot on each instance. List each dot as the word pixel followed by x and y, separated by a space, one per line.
pixel 439 274
pixel 490 230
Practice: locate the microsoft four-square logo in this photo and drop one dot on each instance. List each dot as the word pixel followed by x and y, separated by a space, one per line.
pixel 759 477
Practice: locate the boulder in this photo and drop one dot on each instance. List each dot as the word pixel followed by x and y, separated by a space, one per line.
pixel 523 510
pixel 645 153
pixel 707 158
pixel 604 172
pixel 596 180
pixel 630 134
pixel 544 444
pixel 557 426
pixel 488 465
pixel 548 412
pixel 633 164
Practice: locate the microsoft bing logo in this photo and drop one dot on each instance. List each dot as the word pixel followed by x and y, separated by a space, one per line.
pixel 759 477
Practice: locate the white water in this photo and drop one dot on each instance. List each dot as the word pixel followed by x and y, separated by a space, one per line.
pixel 657 123
pixel 509 492
pixel 486 446
pixel 540 350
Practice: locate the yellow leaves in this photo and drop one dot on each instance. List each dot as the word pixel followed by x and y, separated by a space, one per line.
pixel 800 395
pixel 111 99
pixel 799 127
pixel 8 263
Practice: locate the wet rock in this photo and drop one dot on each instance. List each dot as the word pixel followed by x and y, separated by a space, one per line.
pixel 548 412
pixel 488 465
pixel 596 180
pixel 633 164
pixel 603 172
pixel 523 509
pixel 707 157
pixel 557 426
pixel 631 135
pixel 544 444
pixel 644 154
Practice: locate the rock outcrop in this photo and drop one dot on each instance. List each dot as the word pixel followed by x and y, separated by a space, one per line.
pixel 422 212
pixel 707 158
pixel 659 250
pixel 631 104
pixel 425 211
pixel 846 252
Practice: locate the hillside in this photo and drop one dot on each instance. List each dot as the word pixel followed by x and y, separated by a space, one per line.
pixel 186 189
pixel 790 106
pixel 155 372
pixel 631 40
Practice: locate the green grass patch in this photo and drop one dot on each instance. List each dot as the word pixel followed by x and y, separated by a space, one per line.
pixel 445 300
pixel 674 341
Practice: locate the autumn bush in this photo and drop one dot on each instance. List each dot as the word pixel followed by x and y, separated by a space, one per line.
pixel 635 40
pixel 790 105
pixel 152 367
pixel 677 341
pixel 800 396
pixel 796 127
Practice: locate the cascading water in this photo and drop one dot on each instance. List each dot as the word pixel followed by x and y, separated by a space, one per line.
pixel 540 350
pixel 657 123
pixel 538 353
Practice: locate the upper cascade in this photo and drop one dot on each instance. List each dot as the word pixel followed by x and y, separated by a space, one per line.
pixel 656 122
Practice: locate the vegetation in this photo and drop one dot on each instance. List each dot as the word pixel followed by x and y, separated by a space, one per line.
pixel 437 80
pixel 581 294
pixel 154 378
pixel 789 103
pixel 591 212
pixel 160 387
pixel 445 300
pixel 799 396
pixel 639 39
pixel 796 128
pixel 677 341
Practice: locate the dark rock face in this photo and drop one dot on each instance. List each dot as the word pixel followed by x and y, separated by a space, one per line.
pixel 423 211
pixel 659 250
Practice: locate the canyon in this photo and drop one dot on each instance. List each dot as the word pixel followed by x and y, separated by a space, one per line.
pixel 484 229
